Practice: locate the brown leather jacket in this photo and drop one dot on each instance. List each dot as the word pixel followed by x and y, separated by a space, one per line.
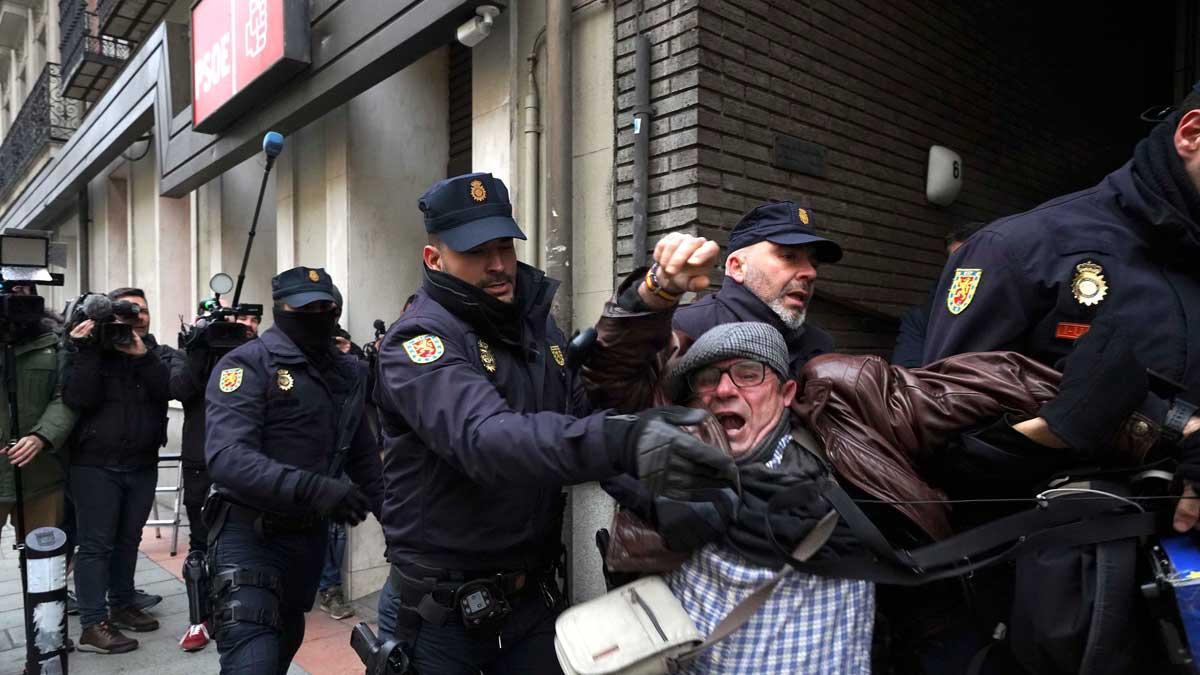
pixel 877 422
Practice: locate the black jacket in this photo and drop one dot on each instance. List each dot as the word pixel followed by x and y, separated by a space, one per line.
pixel 1012 285
pixel 481 433
pixel 271 415
pixel 122 404
pixel 187 385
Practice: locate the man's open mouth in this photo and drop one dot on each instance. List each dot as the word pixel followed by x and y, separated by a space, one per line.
pixel 731 421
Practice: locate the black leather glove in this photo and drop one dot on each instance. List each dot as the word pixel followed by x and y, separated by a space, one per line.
pixel 687 525
pixel 338 500
pixel 671 462
pixel 352 509
pixel 1102 384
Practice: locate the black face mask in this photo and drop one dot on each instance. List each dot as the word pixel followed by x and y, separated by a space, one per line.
pixel 309 330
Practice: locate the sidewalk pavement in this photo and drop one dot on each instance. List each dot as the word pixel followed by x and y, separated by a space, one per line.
pixel 326 649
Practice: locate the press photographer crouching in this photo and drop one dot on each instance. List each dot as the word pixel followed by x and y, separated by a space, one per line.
pixel 117 381
pixel 45 423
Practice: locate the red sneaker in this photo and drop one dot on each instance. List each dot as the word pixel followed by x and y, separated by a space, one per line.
pixel 195 639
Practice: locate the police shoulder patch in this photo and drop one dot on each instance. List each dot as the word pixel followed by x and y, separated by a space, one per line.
pixel 231 379
pixel 962 289
pixel 424 348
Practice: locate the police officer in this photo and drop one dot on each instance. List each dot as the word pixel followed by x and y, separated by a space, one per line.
pixel 1121 252
pixel 769 277
pixel 483 423
pixel 1035 281
pixel 284 417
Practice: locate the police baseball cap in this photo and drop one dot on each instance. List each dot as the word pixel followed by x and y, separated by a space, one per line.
pixel 300 286
pixel 469 210
pixel 786 224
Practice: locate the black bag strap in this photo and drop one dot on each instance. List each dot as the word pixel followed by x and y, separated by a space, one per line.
pixel 1059 522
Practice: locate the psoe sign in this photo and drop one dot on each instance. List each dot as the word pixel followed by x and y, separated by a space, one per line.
pixel 242 49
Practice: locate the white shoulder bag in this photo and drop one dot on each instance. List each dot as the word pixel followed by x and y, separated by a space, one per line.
pixel 642 629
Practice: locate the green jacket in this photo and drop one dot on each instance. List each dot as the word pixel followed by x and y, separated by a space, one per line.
pixel 42 412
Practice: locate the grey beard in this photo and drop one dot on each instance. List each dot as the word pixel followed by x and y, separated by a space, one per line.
pixel 792 319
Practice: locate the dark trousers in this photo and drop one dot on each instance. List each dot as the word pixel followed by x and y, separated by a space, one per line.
pixel 335 552
pixel 195 488
pixel 525 643
pixel 111 507
pixel 248 647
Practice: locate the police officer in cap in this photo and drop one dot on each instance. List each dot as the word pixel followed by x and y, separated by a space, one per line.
pixel 284 419
pixel 770 276
pixel 483 423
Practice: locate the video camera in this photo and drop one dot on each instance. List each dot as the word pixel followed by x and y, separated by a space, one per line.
pixel 24 260
pixel 109 333
pixel 213 329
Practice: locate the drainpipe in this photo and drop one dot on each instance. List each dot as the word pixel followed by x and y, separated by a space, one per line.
pixel 641 147
pixel 558 134
pixel 530 149
pixel 85 219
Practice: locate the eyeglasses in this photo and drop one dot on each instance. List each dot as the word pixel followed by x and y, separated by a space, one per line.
pixel 742 374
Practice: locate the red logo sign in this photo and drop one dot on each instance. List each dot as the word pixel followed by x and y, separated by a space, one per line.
pixel 234 44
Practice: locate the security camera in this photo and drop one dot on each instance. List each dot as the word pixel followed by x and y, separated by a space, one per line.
pixel 474 31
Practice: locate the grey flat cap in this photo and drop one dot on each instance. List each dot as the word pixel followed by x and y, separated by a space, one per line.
pixel 741 340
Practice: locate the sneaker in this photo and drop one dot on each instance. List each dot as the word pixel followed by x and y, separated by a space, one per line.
pixel 143 600
pixel 334 602
pixel 72 607
pixel 132 618
pixel 195 639
pixel 104 638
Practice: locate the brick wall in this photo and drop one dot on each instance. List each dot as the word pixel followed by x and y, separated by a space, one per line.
pixel 874 85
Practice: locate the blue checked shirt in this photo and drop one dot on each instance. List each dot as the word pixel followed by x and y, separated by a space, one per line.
pixel 809 625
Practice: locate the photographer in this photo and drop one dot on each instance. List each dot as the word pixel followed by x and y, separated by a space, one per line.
pixel 118 383
pixel 45 424
pixel 189 377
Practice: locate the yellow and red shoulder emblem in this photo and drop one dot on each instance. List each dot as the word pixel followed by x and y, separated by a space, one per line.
pixel 557 353
pixel 962 289
pixel 231 379
pixel 424 348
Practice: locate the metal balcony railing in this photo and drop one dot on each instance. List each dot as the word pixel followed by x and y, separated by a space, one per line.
pixel 45 117
pixel 130 19
pixel 90 59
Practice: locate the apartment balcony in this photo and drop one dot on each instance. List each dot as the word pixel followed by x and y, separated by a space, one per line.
pixel 91 59
pixel 130 20
pixel 45 118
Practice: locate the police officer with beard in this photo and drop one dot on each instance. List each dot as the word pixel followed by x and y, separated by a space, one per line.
pixel 284 419
pixel 770 275
pixel 483 423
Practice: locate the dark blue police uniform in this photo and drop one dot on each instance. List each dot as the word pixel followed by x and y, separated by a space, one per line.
pixel 277 422
pixel 482 423
pixel 787 224
pixel 1034 282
